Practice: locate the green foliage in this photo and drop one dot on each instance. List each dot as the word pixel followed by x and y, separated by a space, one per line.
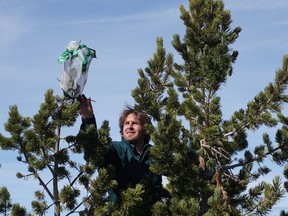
pixel 184 207
pixel 97 203
pixel 7 206
pixel 160 209
pixel 132 201
pixel 218 205
pixel 18 210
pixel 194 147
pixel 39 205
pixel 5 201
pixel 41 148
pixel 68 195
pixel 262 197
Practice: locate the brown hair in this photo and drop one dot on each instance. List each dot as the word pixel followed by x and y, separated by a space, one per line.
pixel 143 118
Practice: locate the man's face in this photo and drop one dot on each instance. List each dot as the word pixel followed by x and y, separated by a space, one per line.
pixel 133 130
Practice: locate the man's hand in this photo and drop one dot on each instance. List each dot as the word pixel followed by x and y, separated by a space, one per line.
pixel 86 109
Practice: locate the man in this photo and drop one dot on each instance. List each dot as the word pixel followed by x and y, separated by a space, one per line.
pixel 130 156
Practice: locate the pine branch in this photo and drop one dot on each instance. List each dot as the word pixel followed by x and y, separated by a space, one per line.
pixel 272 194
pixel 253 159
pixel 79 205
pixel 218 151
pixel 269 100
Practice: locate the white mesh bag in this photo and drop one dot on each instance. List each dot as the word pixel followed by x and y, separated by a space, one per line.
pixel 77 58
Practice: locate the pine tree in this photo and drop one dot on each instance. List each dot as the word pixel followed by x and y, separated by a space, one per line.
pixel 6 204
pixel 41 147
pixel 5 201
pixel 194 147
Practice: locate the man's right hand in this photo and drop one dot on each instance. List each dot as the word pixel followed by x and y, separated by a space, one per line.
pixel 86 109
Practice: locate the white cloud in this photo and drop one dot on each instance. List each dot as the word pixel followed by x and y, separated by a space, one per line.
pixel 255 4
pixel 165 14
pixel 284 23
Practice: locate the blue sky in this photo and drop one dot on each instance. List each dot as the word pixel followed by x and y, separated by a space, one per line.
pixel 34 33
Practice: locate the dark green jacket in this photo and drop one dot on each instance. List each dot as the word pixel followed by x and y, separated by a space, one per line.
pixel 130 168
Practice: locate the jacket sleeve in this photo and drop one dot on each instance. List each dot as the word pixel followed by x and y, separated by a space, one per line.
pixel 87 122
pixel 87 145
